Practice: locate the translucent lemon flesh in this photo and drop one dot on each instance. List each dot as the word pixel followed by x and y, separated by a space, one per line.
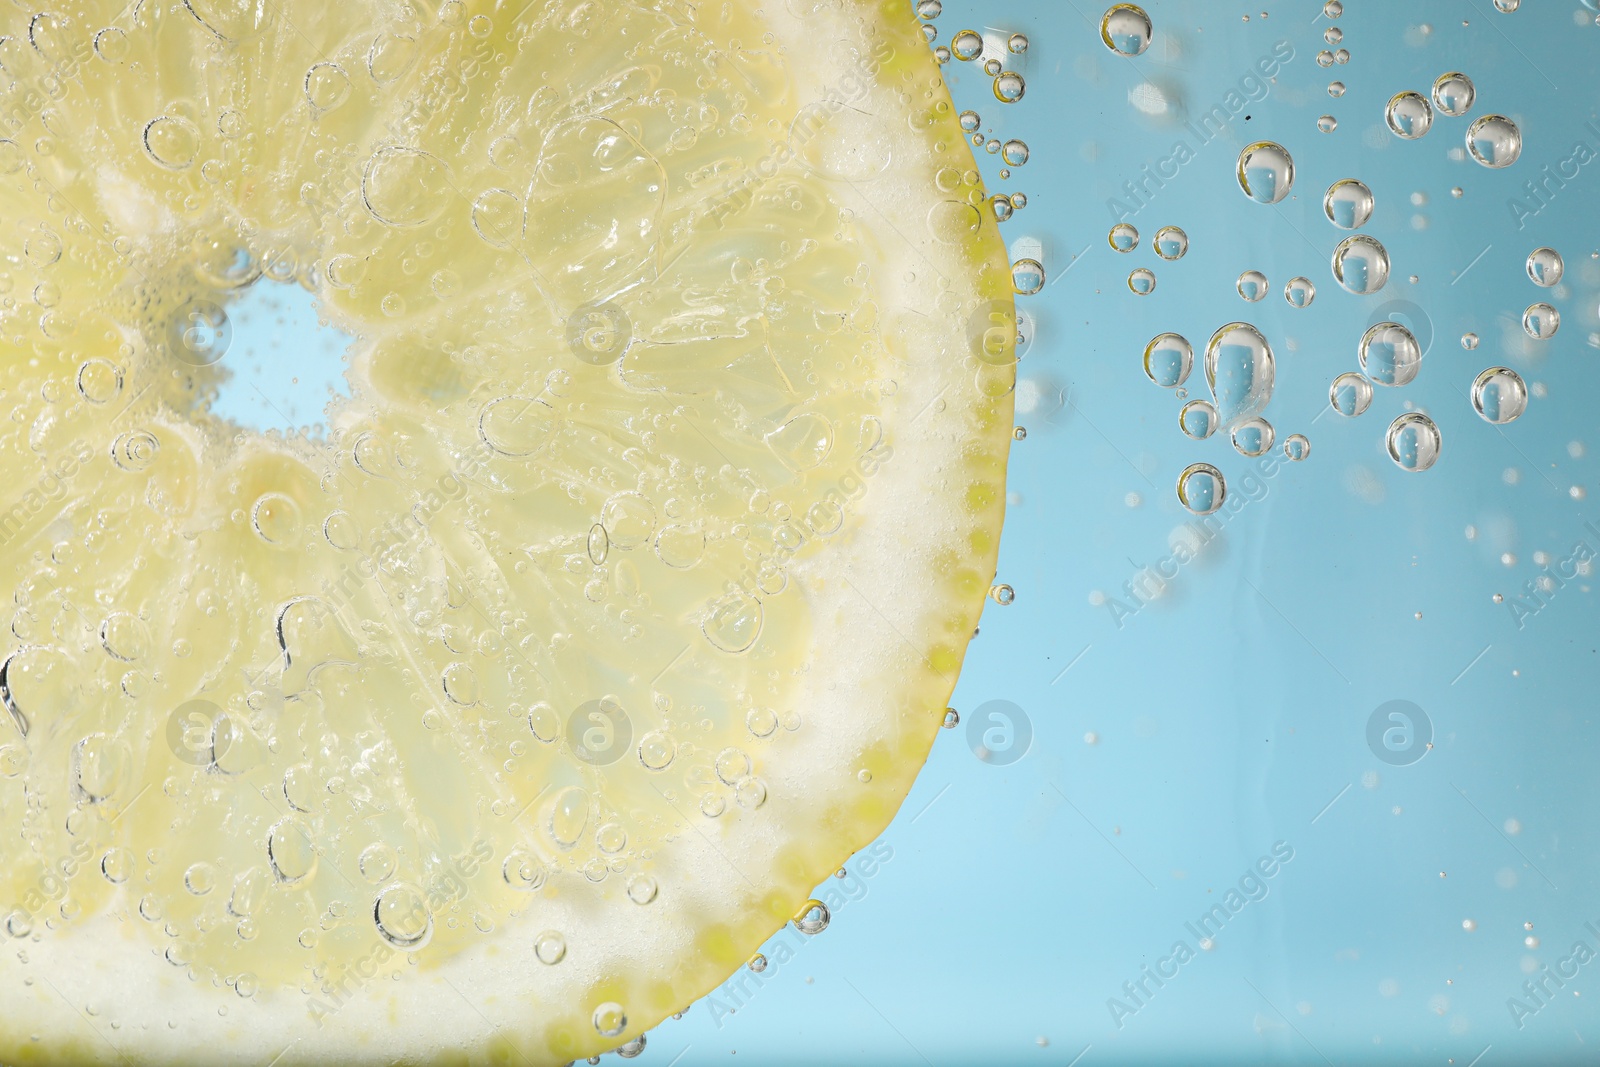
pixel 616 607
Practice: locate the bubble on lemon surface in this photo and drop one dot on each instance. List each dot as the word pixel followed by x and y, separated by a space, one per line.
pixel 1299 292
pixel 1350 394
pixel 1494 141
pixel 1408 115
pixel 1198 419
pixel 1453 94
pixel 1265 172
pixel 1545 267
pixel 1296 447
pixel 1499 395
pixel 1413 442
pixel 1348 204
pixel 1126 29
pixel 402 917
pixel 1253 437
pixel 812 918
pixel 1389 354
pixel 1252 285
pixel 550 948
pixel 99 381
pixel 1123 237
pixel 1541 321
pixel 1361 264
pixel 1240 371
pixel 1201 488
pixel 1171 243
pixel 1167 360
pixel 1142 281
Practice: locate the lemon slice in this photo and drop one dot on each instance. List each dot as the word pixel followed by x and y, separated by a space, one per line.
pixel 615 608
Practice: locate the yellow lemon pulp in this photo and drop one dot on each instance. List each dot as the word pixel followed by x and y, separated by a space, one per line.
pixel 613 611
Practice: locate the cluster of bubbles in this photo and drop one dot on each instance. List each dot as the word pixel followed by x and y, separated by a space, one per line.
pixel 1170 243
pixel 1238 363
pixel 968 46
pixel 1009 86
pixel 1492 140
pixel 1240 370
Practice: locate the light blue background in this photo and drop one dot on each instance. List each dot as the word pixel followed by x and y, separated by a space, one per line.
pixel 1231 712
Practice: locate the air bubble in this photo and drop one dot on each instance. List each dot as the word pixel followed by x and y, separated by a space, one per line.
pixel 1201 488
pixel 1389 354
pixel 1171 243
pixel 1361 265
pixel 1123 237
pixel 1253 437
pixel 812 918
pixel 1413 442
pixel 1499 395
pixel 1545 266
pixel 1142 281
pixel 1027 276
pixel 1126 29
pixel 1541 321
pixel 550 948
pixel 1299 292
pixel 1348 204
pixel 967 45
pixel 1494 141
pixel 327 86
pixel 1240 370
pixel 1198 419
pixel 1453 94
pixel 171 141
pixel 1350 394
pixel 1408 115
pixel 1265 172
pixel 402 917
pixel 1168 359
pixel 1252 285
pixel 1009 87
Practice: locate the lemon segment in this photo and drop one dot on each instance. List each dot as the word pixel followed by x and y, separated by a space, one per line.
pixel 512 709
